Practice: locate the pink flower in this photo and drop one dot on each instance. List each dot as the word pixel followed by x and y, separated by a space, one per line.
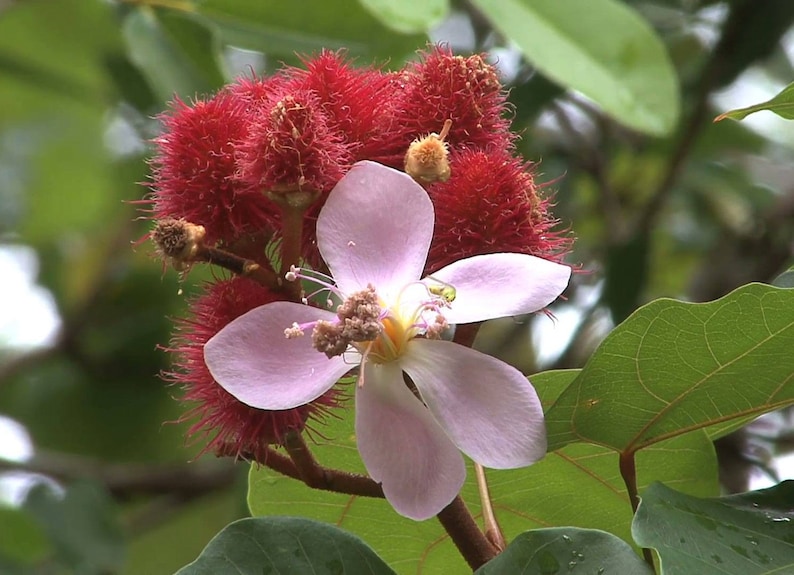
pixel 374 233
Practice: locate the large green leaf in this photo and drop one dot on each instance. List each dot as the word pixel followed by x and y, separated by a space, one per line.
pixel 408 16
pixel 566 549
pixel 601 48
pixel 276 27
pixel 738 535
pixel 258 545
pixel 579 485
pixel 53 100
pixel 176 54
pixel 673 367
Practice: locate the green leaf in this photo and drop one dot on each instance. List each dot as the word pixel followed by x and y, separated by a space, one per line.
pixel 82 526
pixel 408 16
pixel 549 493
pixel 176 54
pixel 21 539
pixel 601 48
pixel 566 549
pixel 673 367
pixel 254 546
pixel 276 27
pixel 741 535
pixel 782 105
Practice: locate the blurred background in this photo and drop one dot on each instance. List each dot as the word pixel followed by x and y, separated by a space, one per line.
pixel 95 473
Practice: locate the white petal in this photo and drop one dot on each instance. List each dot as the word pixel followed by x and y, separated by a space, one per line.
pixel 501 285
pixel 487 407
pixel 253 360
pixel 376 228
pixel 403 447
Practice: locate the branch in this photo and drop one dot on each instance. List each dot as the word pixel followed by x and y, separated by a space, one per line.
pixel 466 535
pixel 127 479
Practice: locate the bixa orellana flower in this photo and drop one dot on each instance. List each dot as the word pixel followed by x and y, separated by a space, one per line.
pixel 374 233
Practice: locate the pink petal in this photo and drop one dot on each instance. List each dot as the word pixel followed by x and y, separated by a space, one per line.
pixel 403 447
pixel 376 228
pixel 487 407
pixel 501 285
pixel 253 360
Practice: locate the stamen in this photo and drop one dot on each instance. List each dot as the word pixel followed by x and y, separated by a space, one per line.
pixel 295 330
pixel 361 369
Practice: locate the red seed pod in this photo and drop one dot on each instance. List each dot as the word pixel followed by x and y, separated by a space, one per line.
pixel 230 426
pixel 491 204
pixel 290 147
pixel 441 87
pixel 356 101
pixel 194 166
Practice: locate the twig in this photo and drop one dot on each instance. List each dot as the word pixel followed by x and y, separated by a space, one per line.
pixel 126 479
pixel 316 476
pixel 466 534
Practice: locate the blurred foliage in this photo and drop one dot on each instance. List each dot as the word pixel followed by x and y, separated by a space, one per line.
pixel 692 214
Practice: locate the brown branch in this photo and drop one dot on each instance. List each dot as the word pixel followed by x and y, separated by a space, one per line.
pixel 697 118
pixel 466 534
pixel 316 476
pixel 628 471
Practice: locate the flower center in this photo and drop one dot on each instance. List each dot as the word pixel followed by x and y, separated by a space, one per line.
pixel 378 330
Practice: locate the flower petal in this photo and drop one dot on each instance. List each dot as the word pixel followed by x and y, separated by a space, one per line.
pixel 252 359
pixel 500 285
pixel 376 228
pixel 403 447
pixel 488 408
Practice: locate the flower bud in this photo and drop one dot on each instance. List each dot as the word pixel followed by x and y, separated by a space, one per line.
pixel 426 159
pixel 178 241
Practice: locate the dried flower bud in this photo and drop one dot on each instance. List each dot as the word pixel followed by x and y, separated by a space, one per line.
pixel 178 240
pixel 427 157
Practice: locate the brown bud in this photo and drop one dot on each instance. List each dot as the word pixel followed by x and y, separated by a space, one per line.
pixel 427 157
pixel 178 240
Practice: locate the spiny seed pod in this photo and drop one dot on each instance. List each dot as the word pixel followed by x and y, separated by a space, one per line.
pixel 442 86
pixel 491 204
pixel 194 167
pixel 356 101
pixel 290 148
pixel 232 427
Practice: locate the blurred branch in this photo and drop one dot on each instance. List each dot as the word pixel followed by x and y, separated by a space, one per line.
pixel 127 479
pixel 697 118
pixel 592 161
pixel 737 259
